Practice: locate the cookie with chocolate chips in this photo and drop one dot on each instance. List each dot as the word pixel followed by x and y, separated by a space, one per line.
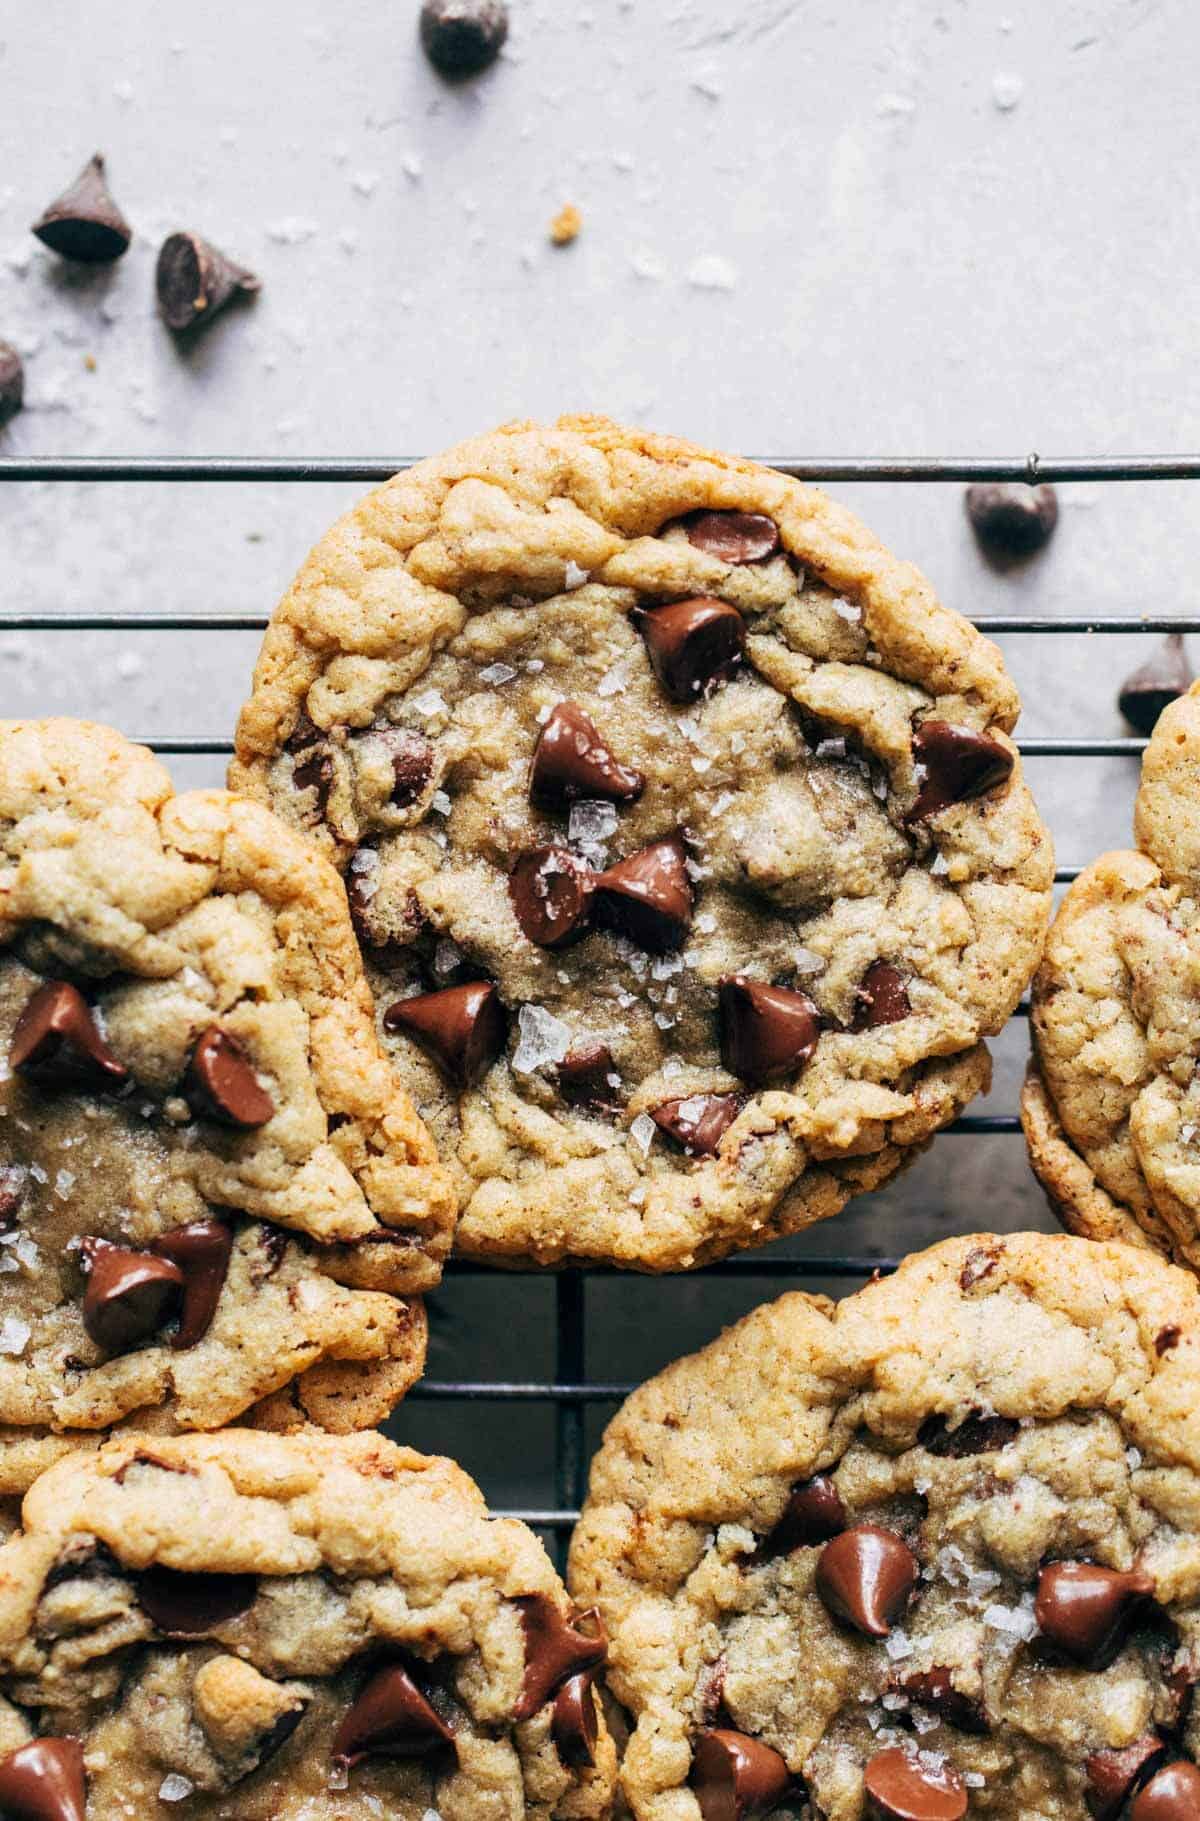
pixel 688 851
pixel 926 1554
pixel 289 1628
pixel 215 1197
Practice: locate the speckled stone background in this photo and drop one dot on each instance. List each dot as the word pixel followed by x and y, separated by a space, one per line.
pixel 937 227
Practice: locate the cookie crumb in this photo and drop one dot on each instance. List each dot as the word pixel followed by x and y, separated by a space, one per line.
pixel 566 225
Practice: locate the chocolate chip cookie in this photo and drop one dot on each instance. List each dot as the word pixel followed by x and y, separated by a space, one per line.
pixel 687 849
pixel 929 1554
pixel 1111 1106
pixel 289 1628
pixel 213 1191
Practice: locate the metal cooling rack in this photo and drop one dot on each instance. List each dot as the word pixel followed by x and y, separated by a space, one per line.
pixel 569 1391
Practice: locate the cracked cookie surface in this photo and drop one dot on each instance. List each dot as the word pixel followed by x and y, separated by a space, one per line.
pixel 937 1545
pixel 289 1628
pixel 689 855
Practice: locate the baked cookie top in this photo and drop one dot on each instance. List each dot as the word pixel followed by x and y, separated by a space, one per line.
pixel 689 854
pixel 212 1187
pixel 934 1552
pixel 288 1628
pixel 1111 1106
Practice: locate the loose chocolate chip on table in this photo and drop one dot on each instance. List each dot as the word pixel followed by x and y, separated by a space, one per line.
pixel 735 1776
pixel 1086 1610
pixel 572 761
pixel 958 765
pixel 201 1250
pixel 14 1180
pixel 390 1719
pixel 129 1295
pixel 899 1788
pixel 865 1576
pixel 194 280
pixel 1161 680
pixel 1112 1776
pixel 574 1727
pixel 461 37
pixel 551 891
pixel 187 1605
pixel 976 1434
pixel 1172 1794
pixel 814 1513
pixel 1011 519
pixel 44 1781
pixel 555 1650
pixel 84 223
pixel 698 1122
pixel 56 1040
pixel 767 1032
pixel 583 1077
pixel 934 1688
pixel 462 1028
pixel 692 645
pixel 12 381
pixel 648 897
pixel 733 537
pixel 221 1081
pixel 881 997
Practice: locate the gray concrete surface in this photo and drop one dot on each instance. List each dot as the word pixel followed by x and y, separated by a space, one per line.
pixel 897 227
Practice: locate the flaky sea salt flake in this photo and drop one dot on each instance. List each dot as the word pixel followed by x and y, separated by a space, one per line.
pixel 642 1132
pixel 175 1788
pixel 543 1039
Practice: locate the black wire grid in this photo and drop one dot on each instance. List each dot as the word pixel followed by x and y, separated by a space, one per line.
pixel 570 1391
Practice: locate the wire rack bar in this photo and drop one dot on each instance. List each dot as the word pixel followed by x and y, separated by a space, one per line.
pixel 14 620
pixel 193 745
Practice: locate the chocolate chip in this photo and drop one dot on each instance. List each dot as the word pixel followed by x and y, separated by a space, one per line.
pixel 574 1727
pixel 84 223
pixel 390 1719
pixel 1172 1794
pixel 304 734
pixel 881 997
pixel 315 772
pixel 551 891
pixel 412 757
pixel 129 1295
pixel 583 1078
pixel 572 761
pixel 934 1688
pixel 189 1605
pixel 221 1082
pixel 1153 685
pixel 734 1776
pixel 57 1041
pixel 462 1028
pixel 976 1434
pixel 1167 1338
pixel 44 1781
pixel 1010 519
pixel 957 765
pixel 462 37
pixel 555 1650
pixel 648 897
pixel 194 280
pixel 865 1577
pixel 1086 1610
pixel 692 645
pixel 14 1180
pixel 979 1263
pixel 898 1788
pixel 733 537
pixel 1112 1776
pixel 201 1250
pixel 813 1514
pixel 12 381
pixel 767 1032
pixel 698 1122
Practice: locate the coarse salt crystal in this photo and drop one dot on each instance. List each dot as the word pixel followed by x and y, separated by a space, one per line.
pixel 846 610
pixel 14 1335
pixel 642 1131
pixel 897 1645
pixel 497 674
pixel 831 749
pixel 535 666
pixel 429 702
pixel 1133 1459
pixel 575 576
pixel 440 801
pixel 613 680
pixel 543 1039
pixel 591 823
pixel 175 1788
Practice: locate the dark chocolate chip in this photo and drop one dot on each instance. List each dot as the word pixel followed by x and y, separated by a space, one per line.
pixel 767 1032
pixel 390 1718
pixel 463 1028
pixel 1172 1794
pixel 44 1781
pixel 462 37
pixel 572 761
pixel 222 1083
pixel 1112 1776
pixel 14 1180
pixel 201 1250
pixel 957 765
pixel 129 1295
pixel 574 1727
pixel 84 223
pixel 1086 1610
pixel 304 734
pixel 194 280
pixel 979 1263
pixel 934 1688
pixel 698 1122
pixel 1153 685
pixel 412 757
pixel 814 1513
pixel 551 891
pixel 1167 1338
pixel 648 897
pixel 734 1776
pixel 733 537
pixel 1010 519
pixel 314 771
pixel 900 1788
pixel 583 1078
pixel 865 1576
pixel 12 381
pixel 880 998
pixel 692 645
pixel 185 1605
pixel 56 1040
pixel 555 1650
pixel 976 1434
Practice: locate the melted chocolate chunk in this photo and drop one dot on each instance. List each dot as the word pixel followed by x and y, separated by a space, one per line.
pixel 14 1180
pixel 1086 1611
pixel 648 897
pixel 1167 1338
pixel 555 1650
pixel 976 1434
pixel 900 1788
pixel 1112 1776
pixel 190 1605
pixel 551 891
pixel 57 1041
pixel 934 1688
pixel 194 280
pixel 390 1718
pixel 880 998
pixel 767 1032
pixel 698 1122
pixel 462 1028
pixel 865 1576
pixel 958 766
pixel 44 1781
pixel 129 1295
pixel 814 1513
pixel 222 1085
pixel 583 1078
pixel 314 771
pixel 733 537
pixel 692 645
pixel 571 761
pixel 574 1727
pixel 84 223
pixel 201 1250
pixel 412 758
pixel 735 1776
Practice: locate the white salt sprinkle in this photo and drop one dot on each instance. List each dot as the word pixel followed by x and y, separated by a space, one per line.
pixel 575 576
pixel 642 1131
pixel 429 702
pixel 543 1039
pixel 14 1335
pixel 496 675
pixel 175 1788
